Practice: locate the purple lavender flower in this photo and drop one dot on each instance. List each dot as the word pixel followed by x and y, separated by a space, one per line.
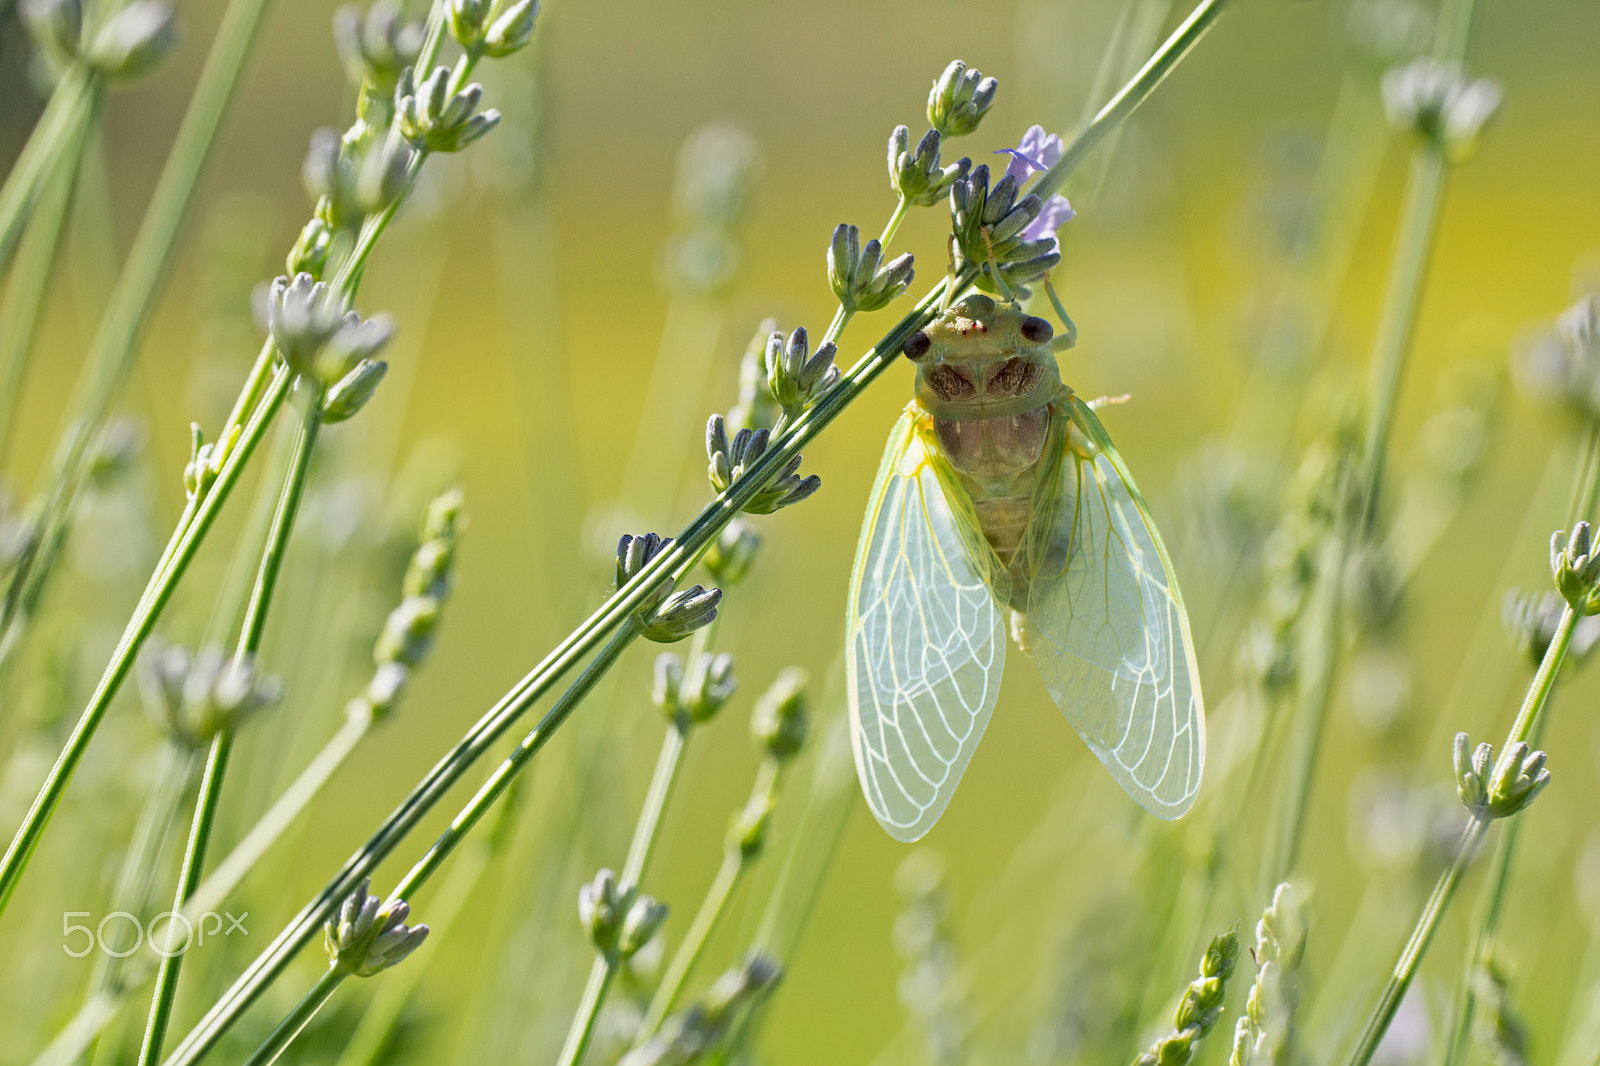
pixel 1039 151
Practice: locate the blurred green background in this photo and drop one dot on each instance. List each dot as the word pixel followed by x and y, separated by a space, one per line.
pixel 528 284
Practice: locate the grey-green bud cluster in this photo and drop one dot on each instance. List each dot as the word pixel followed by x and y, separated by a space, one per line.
pixel 959 100
pixel 1491 788
pixel 327 346
pixel 376 47
pixel 511 29
pixel 206 460
pixel 431 117
pixel 619 922
pixel 857 275
pixel 367 936
pixel 989 224
pixel 195 697
pixel 681 613
pixel 354 176
pixel 468 21
pixel 915 174
pixel 665 616
pixel 1575 566
pixel 795 377
pixel 733 553
pixel 410 629
pixel 1199 1008
pixel 691 1036
pixel 56 27
pixel 1530 621
pixel 133 40
pixel 779 723
pixel 634 553
pixel 1440 104
pixel 730 459
pixel 696 691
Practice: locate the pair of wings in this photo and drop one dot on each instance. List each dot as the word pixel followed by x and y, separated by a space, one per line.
pixel 927 634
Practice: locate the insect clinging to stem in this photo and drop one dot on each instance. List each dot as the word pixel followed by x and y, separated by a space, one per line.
pixel 1001 506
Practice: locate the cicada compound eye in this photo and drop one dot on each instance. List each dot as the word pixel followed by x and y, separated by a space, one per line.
pixel 917 345
pixel 1036 330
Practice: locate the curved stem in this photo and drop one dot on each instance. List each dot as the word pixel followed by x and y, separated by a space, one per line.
pixel 893 225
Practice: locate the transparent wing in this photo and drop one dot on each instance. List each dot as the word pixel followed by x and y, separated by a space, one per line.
pixel 926 642
pixel 1108 629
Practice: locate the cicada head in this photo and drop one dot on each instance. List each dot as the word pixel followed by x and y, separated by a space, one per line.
pixel 983 360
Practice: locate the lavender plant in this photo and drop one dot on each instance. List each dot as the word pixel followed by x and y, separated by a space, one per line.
pixel 1326 545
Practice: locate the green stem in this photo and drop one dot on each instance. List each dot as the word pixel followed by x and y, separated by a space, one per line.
pixel 893 225
pixel 272 961
pixel 281 1037
pixel 688 954
pixel 71 105
pixel 367 1043
pixel 1413 247
pixel 185 542
pixel 673 562
pixel 205 809
pixel 116 340
pixel 205 816
pixel 645 834
pixel 1585 488
pixel 1543 679
pixel 1405 970
pixel 271 825
pixel 24 299
pixel 1391 343
pixel 1121 106
pixel 132 892
pixel 601 975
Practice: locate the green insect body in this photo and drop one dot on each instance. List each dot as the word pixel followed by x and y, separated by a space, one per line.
pixel 1002 505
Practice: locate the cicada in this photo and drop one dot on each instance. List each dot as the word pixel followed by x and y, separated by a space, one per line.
pixel 1002 509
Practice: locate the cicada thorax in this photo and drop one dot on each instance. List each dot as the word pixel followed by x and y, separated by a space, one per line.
pixel 988 384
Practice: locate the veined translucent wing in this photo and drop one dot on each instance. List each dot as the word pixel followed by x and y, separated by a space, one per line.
pixel 926 641
pixel 1108 628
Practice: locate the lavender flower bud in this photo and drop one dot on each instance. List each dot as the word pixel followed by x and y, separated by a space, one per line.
pixel 512 30
pixel 431 119
pixel 367 937
pixel 916 174
pixel 959 100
